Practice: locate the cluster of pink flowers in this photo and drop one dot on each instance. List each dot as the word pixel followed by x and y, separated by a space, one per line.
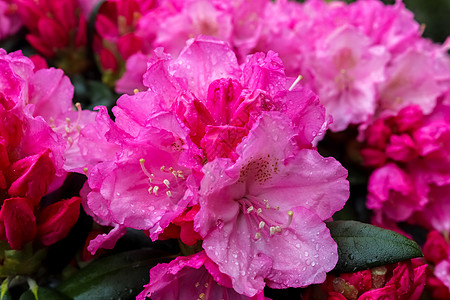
pixel 213 140
pixel 363 59
pixel 222 153
pixel 38 146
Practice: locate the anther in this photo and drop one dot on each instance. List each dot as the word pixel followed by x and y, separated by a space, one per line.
pixel 261 224
pixel 85 170
pixel 259 211
pixel 162 168
pixel 250 209
pixel 257 235
pixel 291 216
pixel 197 284
pixel 202 296
pixel 150 189
pixel 155 190
pixel 135 91
pixel 70 140
pixel 169 193
pixel 278 229
pixel 167 183
pixel 68 121
pixel 272 230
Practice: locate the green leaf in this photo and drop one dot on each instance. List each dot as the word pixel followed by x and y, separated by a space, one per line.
pixel 120 276
pixel 363 246
pixel 43 294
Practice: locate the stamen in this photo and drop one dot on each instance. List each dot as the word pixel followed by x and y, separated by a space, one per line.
pixel 135 91
pixel 291 216
pixel 261 224
pixel 197 284
pixel 250 209
pixel 278 229
pixel 78 106
pixel 257 235
pixel 259 211
pixel 162 168
pixel 300 77
pixel 150 190
pixel 167 183
pixel 68 121
pixel 85 170
pixel 272 230
pixel 169 193
pixel 155 190
pixel 70 140
pixel 202 296
pixel 142 163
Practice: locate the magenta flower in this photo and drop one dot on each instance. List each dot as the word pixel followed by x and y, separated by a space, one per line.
pixel 192 277
pixel 411 153
pixel 261 217
pixel 10 21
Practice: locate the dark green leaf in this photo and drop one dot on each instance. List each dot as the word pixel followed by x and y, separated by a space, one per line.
pixel 121 276
pixel 363 246
pixel 43 294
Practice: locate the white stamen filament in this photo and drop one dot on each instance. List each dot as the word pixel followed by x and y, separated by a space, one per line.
pixel 300 77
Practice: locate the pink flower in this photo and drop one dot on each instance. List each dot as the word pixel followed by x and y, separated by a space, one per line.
pixel 192 277
pixel 411 153
pixel 9 19
pixel 56 28
pixel 402 281
pixel 255 228
pixel 187 117
pixel 346 78
pixel 56 220
pixel 410 70
pixel 437 251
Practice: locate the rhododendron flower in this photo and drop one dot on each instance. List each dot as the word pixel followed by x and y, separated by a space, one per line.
pixel 57 30
pixel 346 78
pixel 56 220
pixel 187 117
pixel 192 277
pixel 261 217
pixel 34 103
pixel 411 153
pixel 9 19
pixel 437 252
pixel 35 90
pixel 402 281
pixel 372 78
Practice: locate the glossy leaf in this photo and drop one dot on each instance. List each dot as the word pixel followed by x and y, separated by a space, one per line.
pixel 362 246
pixel 121 276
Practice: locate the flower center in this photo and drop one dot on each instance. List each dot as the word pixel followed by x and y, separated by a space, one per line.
pixel 164 182
pixel 263 216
